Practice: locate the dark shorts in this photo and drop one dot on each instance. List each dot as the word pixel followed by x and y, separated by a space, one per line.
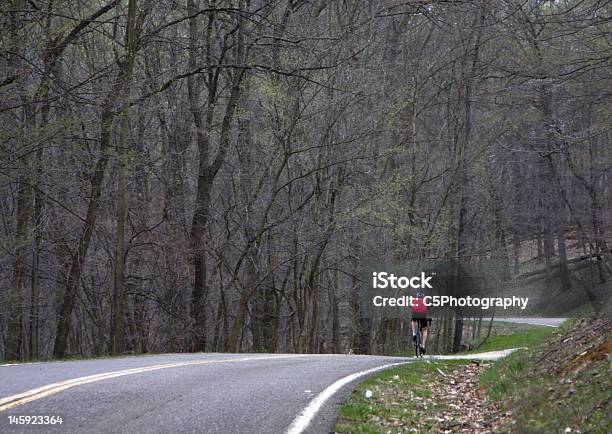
pixel 422 321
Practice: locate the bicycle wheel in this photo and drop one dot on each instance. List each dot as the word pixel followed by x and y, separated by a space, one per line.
pixel 417 343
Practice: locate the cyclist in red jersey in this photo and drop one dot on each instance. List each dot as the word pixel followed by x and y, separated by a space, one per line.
pixel 419 316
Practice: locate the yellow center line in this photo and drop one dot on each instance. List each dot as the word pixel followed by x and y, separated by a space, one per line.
pixel 51 389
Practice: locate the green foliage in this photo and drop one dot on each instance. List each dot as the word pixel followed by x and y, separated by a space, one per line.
pixel 494 379
pixel 509 335
pixel 270 90
pixel 547 393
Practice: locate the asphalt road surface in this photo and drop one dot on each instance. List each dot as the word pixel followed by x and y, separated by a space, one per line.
pixel 224 393
pixel 189 393
pixel 548 322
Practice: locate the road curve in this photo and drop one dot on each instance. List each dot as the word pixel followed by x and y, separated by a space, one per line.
pixel 190 393
pixel 198 393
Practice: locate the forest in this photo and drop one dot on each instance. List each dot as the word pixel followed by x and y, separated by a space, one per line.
pixel 214 175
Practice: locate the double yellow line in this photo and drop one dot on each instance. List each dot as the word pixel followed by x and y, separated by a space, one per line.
pixel 51 389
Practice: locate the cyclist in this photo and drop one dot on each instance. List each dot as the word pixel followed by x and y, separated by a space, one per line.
pixel 419 317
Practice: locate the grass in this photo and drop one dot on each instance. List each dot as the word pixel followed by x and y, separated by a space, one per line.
pixel 398 394
pixel 506 335
pixel 499 378
pixel 564 382
pixel 397 401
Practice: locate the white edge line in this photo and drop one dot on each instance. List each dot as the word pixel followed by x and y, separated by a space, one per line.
pixel 301 422
pixel 540 324
pixel 527 321
pixel 18 364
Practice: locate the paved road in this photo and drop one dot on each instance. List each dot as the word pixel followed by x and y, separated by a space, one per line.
pixel 192 393
pixel 186 393
pixel 549 322
pixel 223 393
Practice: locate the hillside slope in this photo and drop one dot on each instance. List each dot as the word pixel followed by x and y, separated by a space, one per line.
pixel 563 385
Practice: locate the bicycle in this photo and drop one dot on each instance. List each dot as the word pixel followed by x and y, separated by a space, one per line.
pixel 418 341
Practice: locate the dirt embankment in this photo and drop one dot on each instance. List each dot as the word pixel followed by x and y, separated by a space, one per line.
pixel 561 386
pixel 564 385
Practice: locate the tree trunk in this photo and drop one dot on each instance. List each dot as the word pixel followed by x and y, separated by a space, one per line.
pixel 15 336
pixel 118 340
pixel 16 298
pixel 73 278
pixel 563 269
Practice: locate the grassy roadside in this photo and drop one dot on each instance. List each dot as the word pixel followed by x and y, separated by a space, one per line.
pixel 521 393
pixel 503 335
pixel 562 385
pixel 506 335
pixel 403 400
